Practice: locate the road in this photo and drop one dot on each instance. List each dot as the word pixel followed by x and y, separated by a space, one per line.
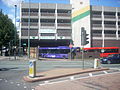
pixel 12 72
pixel 93 82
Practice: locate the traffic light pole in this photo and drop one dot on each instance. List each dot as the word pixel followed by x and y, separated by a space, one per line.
pixel 83 42
pixel 83 56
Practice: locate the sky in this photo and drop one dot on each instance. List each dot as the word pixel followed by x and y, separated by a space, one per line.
pixel 8 8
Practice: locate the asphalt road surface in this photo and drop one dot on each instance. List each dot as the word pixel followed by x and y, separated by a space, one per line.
pixel 12 72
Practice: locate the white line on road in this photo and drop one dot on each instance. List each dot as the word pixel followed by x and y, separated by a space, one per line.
pixel 46 82
pixel 11 82
pixel 90 74
pixel 25 86
pixel 72 78
pixel 105 72
pixel 53 82
pixel 18 84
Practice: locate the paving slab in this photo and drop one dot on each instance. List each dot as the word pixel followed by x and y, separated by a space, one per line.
pixel 62 72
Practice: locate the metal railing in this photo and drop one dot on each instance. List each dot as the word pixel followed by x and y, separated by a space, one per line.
pixel 64 14
pixel 47 14
pixel 110 35
pixel 31 24
pixel 47 24
pixel 110 26
pixel 64 24
pixel 31 13
pixel 109 16
pixel 97 35
pixel 97 25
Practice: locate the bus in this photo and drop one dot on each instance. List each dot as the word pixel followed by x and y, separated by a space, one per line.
pixel 62 52
pixel 101 51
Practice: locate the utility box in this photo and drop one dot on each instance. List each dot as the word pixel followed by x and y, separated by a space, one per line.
pixel 32 68
pixel 96 63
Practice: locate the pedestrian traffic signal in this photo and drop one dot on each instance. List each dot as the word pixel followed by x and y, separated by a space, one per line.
pixel 84 37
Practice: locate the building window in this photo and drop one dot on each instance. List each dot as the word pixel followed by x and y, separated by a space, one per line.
pixel 47 34
pixel 109 32
pixel 118 32
pixel 97 31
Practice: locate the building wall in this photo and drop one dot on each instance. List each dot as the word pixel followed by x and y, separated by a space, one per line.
pixel 105 26
pixel 80 18
pixel 52 23
pixel 47 21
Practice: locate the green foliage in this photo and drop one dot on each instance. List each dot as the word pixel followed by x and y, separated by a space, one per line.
pixel 7 30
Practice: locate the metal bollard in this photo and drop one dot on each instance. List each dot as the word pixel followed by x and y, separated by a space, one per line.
pixel 32 68
pixel 96 63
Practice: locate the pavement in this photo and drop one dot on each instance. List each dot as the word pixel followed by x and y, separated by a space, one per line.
pixel 58 73
pixel 2 58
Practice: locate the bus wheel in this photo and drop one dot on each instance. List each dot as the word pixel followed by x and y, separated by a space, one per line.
pixel 108 62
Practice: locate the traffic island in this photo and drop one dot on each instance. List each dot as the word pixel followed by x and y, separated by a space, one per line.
pixel 58 73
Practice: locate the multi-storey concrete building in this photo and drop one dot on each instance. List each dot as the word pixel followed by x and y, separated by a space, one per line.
pixel 50 24
pixel 57 24
pixel 100 22
pixel 105 26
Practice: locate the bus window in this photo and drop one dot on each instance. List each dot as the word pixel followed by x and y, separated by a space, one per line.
pixel 110 50
pixel 64 51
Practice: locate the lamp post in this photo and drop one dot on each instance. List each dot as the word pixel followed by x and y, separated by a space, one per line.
pixel 29 32
pixel 15 33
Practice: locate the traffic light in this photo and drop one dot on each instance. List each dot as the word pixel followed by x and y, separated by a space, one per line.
pixel 84 37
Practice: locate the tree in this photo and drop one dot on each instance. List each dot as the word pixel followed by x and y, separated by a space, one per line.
pixel 7 30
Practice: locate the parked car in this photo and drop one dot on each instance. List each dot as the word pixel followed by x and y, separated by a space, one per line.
pixel 113 58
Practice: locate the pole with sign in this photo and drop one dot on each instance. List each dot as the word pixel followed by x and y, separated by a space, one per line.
pixel 32 68
pixel 70 51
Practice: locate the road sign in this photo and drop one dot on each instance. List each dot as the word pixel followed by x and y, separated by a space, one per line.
pixel 24 44
pixel 70 45
pixel 32 68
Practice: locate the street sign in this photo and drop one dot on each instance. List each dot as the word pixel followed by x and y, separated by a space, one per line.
pixel 70 45
pixel 24 44
pixel 32 68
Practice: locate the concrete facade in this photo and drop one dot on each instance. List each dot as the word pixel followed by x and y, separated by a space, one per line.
pixel 100 22
pixel 80 18
pixel 58 24
pixel 105 26
pixel 49 24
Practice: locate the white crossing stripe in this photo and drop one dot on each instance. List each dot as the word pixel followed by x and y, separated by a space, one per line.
pixel 46 82
pixel 25 86
pixel 105 72
pixel 11 82
pixel 72 78
pixel 18 84
pixel 90 74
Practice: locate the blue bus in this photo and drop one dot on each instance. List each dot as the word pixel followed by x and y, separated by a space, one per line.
pixel 57 52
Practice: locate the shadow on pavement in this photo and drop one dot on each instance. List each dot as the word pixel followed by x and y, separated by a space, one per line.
pixel 7 69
